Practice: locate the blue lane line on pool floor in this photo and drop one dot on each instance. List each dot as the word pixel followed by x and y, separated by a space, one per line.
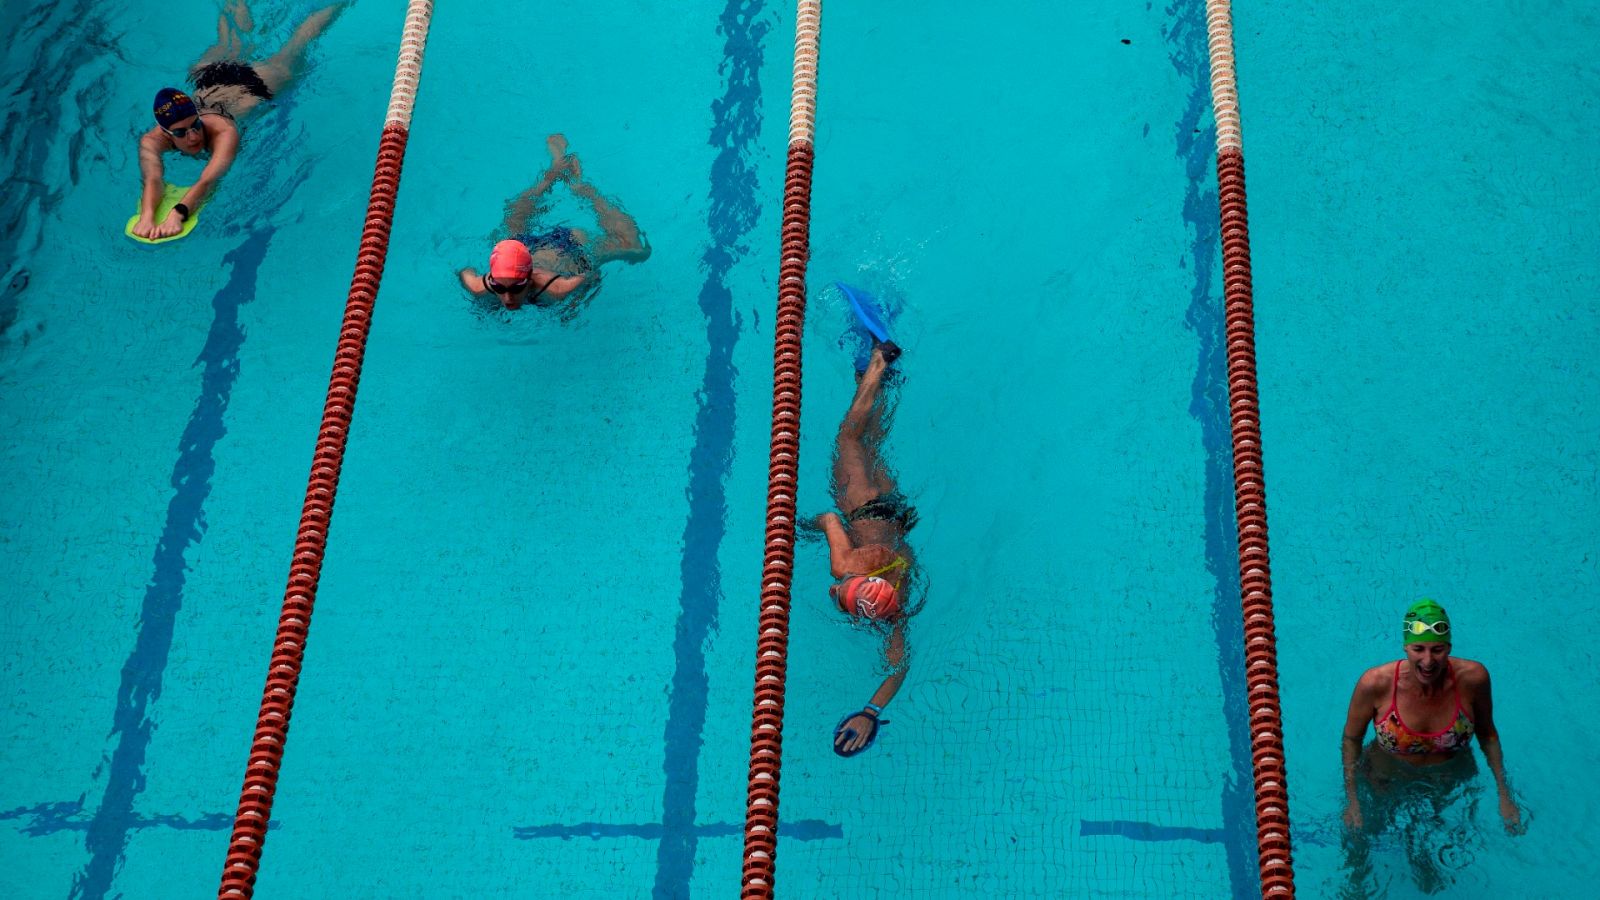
pixel 802 830
pixel 54 818
pixel 1196 138
pixel 1148 831
pixel 733 211
pixel 107 830
pixel 1309 835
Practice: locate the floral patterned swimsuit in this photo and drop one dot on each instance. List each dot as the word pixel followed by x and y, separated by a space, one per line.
pixel 1395 737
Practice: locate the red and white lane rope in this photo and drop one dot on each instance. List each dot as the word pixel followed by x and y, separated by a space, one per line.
pixel 294 623
pixel 1250 496
pixel 772 644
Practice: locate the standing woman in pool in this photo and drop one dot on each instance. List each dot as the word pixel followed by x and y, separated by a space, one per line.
pixel 1425 710
pixel 867 549
pixel 205 120
pixel 543 267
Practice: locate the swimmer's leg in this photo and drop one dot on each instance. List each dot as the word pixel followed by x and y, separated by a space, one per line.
pixel 858 473
pixel 1357 865
pixel 280 68
pixel 233 23
pixel 522 210
pixel 620 239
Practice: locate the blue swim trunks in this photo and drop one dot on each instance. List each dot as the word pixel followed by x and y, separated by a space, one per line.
pixel 561 240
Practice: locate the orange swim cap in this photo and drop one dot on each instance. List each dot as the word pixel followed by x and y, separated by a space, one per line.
pixel 867 596
pixel 510 262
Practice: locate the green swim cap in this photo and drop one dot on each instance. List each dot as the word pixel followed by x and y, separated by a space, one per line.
pixel 1426 622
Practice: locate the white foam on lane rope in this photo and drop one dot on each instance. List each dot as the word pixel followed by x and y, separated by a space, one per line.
pixel 1224 81
pixel 803 99
pixel 408 70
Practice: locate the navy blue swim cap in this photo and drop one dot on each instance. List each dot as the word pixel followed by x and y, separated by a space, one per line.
pixel 173 105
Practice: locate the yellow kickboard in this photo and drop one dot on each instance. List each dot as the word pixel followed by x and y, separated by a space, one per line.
pixel 173 196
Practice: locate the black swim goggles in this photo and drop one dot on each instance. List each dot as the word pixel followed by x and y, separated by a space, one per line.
pixel 198 126
pixel 513 287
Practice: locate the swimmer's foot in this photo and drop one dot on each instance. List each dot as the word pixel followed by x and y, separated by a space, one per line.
pixel 877 364
pixel 562 164
pixel 239 12
pixel 808 528
pixel 890 350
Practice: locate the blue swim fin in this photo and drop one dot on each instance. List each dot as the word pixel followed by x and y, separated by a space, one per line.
pixel 870 328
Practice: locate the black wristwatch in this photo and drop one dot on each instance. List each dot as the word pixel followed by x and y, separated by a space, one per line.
pixel 181 210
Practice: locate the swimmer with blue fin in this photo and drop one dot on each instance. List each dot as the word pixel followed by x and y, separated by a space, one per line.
pixel 205 120
pixel 545 266
pixel 867 550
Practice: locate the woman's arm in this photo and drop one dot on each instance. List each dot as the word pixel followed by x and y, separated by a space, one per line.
pixel 839 545
pixel 1356 718
pixel 899 665
pixel 857 728
pixel 224 149
pixel 472 281
pixel 1489 739
pixel 152 174
pixel 562 285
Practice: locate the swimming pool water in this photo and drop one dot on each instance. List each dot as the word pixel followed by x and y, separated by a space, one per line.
pixel 529 671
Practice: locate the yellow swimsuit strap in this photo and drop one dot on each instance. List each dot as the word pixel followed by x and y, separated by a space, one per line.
pixel 899 563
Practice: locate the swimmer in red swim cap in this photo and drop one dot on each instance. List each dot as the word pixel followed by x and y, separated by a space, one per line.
pixel 867 547
pixel 543 266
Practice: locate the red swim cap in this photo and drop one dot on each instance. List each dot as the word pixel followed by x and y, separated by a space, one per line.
pixel 867 596
pixel 510 262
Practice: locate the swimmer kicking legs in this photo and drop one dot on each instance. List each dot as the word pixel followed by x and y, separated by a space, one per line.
pixel 225 89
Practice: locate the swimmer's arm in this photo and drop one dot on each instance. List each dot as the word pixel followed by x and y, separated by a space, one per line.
pixel 224 148
pixel 1489 739
pixel 1362 702
pixel 839 546
pixel 564 285
pixel 472 280
pixel 151 172
pixel 899 665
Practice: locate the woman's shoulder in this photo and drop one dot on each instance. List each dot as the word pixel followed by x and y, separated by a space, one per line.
pixel 1379 677
pixel 1469 672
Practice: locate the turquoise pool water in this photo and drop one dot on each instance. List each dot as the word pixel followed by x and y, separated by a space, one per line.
pixel 529 672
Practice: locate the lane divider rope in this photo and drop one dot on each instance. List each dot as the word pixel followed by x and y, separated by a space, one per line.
pixel 1249 479
pixel 772 643
pixel 294 623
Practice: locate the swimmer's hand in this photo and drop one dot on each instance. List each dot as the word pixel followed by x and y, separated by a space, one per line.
pixel 146 227
pixel 169 226
pixel 855 733
pixel 1352 816
pixel 1511 815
